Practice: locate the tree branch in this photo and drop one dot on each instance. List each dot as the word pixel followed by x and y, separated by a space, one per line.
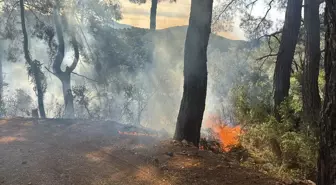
pixel 264 18
pixel 76 58
pixel 36 17
pixel 11 11
pixel 223 11
pixel 252 3
pixel 274 34
pixel 271 54
pixel 267 56
pixel 74 74
pixel 50 71
pixel 84 77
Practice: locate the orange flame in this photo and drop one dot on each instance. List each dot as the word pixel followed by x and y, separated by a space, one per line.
pixel 228 136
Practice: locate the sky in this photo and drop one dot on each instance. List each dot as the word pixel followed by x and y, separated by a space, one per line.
pixel 168 15
pixel 177 14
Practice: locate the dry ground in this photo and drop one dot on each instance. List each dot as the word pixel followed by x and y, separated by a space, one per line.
pixel 78 152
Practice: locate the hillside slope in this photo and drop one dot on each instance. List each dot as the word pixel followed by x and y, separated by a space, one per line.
pixel 134 46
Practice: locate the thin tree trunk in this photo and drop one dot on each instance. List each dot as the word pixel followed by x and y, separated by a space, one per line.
pixel 33 64
pixel 310 90
pixel 152 25
pixel 285 56
pixel 25 35
pixel 153 14
pixel 327 153
pixel 2 103
pixel 139 113
pixel 39 87
pixel 1 79
pixel 189 120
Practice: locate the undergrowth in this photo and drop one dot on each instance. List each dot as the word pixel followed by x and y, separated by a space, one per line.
pixel 286 149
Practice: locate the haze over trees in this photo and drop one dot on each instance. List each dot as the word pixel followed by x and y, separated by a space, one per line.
pixel 74 60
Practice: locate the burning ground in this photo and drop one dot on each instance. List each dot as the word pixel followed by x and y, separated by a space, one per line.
pixel 53 152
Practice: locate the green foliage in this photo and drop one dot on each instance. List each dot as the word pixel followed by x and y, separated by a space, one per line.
pixel 321 82
pixel 18 104
pixel 252 100
pixel 118 51
pixel 2 108
pixel 285 148
pixel 297 144
pixel 81 96
pixel 34 72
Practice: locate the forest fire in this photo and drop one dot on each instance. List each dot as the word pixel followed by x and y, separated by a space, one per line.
pixel 136 134
pixel 226 135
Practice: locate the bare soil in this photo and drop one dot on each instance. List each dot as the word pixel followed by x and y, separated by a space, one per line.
pixel 79 152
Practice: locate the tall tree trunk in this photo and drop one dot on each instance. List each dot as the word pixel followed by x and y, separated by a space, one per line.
pixel 2 113
pixel 152 25
pixel 285 56
pixel 33 64
pixel 327 153
pixel 39 87
pixel 153 14
pixel 310 90
pixel 1 79
pixel 189 120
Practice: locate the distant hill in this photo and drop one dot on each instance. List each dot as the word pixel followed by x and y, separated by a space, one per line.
pixel 176 36
pixel 172 41
pixel 126 43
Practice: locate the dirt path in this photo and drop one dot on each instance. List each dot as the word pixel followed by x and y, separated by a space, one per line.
pixel 55 152
pixel 77 152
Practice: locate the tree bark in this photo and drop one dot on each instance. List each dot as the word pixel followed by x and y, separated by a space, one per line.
pixel 327 153
pixel 310 90
pixel 67 95
pixel 33 64
pixel 189 120
pixel 285 55
pixel 153 11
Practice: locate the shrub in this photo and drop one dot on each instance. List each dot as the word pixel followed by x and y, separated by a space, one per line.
pixel 285 149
